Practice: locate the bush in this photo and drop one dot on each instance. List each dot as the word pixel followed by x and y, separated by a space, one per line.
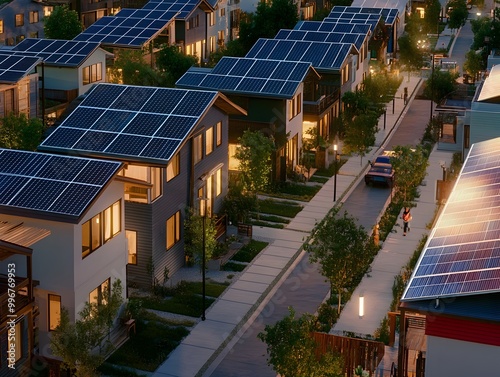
pixel 248 252
pixel 231 266
pixel 382 333
pixel 327 316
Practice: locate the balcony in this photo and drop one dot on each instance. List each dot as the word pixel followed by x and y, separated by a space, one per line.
pixel 21 298
pixel 321 105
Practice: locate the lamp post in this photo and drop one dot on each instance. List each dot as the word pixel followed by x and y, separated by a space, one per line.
pixel 203 267
pixel 335 173
pixel 432 86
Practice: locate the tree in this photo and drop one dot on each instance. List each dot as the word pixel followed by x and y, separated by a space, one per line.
pixel 473 63
pixel 292 349
pixel 432 13
pixel 342 249
pixel 410 166
pixel 457 13
pixel 63 23
pixel 79 344
pixel 440 84
pixel 254 155
pixel 19 132
pixel 193 236
pixel 409 54
pixel 174 63
pixel 360 134
pixel 130 68
pixel 232 48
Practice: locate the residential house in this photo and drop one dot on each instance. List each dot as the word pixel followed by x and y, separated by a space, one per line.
pixel 271 92
pixel 20 19
pixel 18 311
pixel 173 143
pixel 449 318
pixel 220 24
pixel 81 204
pixel 18 85
pixel 67 70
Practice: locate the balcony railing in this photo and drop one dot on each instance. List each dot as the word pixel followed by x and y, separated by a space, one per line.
pixel 319 106
pixel 20 298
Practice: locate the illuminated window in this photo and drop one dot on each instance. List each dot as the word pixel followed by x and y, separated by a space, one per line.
pixel 100 295
pixel 54 311
pixel 173 167
pixel 218 131
pixel 218 182
pixel 222 12
pixel 211 16
pixel 131 246
pixel 1 26
pixel 92 73
pixel 156 182
pixel 101 228
pixel 34 17
pixel 209 140
pixel 197 149
pixel 19 19
pixel 142 193
pixel 173 229
pixel 112 221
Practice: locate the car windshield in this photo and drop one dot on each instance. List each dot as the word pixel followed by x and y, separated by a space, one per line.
pixel 381 170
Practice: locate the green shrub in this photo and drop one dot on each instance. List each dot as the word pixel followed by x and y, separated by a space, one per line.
pixel 187 304
pixel 231 266
pixel 327 316
pixel 279 208
pixel 382 334
pixel 249 251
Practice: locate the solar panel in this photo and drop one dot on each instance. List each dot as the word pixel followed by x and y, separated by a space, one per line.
pixel 56 51
pixel 120 128
pixel 40 182
pixel 250 76
pixel 14 68
pixel 462 256
pixel 389 15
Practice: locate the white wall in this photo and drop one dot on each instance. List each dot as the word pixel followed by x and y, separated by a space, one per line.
pixel 448 357
pixel 99 56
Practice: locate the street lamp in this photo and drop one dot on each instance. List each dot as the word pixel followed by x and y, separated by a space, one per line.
pixel 335 173
pixel 432 86
pixel 203 262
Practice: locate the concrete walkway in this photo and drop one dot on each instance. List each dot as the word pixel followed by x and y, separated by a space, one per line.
pixel 228 316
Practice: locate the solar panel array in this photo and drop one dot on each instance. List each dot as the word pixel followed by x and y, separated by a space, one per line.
pixel 251 76
pixel 14 68
pixel 321 55
pixel 184 7
pixel 134 123
pixel 56 51
pixel 389 15
pixel 320 36
pixel 462 256
pixel 354 18
pixel 333 27
pixel 61 185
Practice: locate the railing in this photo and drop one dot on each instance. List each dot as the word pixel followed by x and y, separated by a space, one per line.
pixel 317 107
pixel 21 299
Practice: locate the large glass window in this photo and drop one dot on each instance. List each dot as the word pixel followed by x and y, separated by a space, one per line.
pixel 156 182
pixel 218 182
pixel 173 167
pixel 218 131
pixel 92 73
pixel 197 148
pixel 112 221
pixel 101 293
pixel 19 19
pixel 101 228
pixel 95 232
pixel 142 193
pixel 131 246
pixel 209 140
pixel 34 18
pixel 173 229
pixel 54 311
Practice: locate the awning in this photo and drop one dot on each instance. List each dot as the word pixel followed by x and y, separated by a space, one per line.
pixel 17 238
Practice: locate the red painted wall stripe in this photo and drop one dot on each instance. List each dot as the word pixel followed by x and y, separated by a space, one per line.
pixel 463 329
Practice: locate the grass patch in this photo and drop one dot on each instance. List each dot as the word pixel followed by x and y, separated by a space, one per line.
pixel 279 208
pixel 111 370
pixel 249 251
pixel 271 218
pixel 319 179
pixel 231 266
pixel 296 191
pixel 147 349
pixel 266 224
pixel 186 304
pixel 211 289
pixel 329 171
pixel 150 316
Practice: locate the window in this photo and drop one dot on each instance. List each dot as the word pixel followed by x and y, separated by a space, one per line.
pixel 19 19
pixel 131 246
pixel 294 106
pixel 222 12
pixel 173 167
pixel 101 228
pixel 19 39
pixel 218 182
pixel 218 131
pixel 213 44
pixel 54 311
pixel 34 34
pixel 197 149
pixel 220 36
pixel 173 229
pixel 101 293
pixel 112 221
pixel 34 18
pixel 193 22
pixel 1 26
pixel 142 193
pixel 156 182
pixel 92 73
pixel 211 21
pixel 47 11
pixel 209 141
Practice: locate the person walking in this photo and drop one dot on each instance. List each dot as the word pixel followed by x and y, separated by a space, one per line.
pixel 406 220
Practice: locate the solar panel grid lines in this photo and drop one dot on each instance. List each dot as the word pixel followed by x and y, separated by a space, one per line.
pixel 13 68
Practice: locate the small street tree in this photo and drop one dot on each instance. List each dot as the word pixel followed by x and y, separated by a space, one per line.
pixel 80 344
pixel 131 68
pixel 457 13
pixel 63 23
pixel 193 235
pixel 360 134
pixel 174 63
pixel 409 54
pixel 410 166
pixel 473 63
pixel 342 249
pixel 292 349
pixel 19 132
pixel 440 84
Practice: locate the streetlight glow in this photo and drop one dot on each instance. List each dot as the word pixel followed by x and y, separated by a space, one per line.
pixel 361 306
pixel 335 173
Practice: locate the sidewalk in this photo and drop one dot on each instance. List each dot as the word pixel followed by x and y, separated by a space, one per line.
pixel 227 317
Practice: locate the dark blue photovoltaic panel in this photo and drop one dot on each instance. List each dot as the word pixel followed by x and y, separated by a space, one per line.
pixel 113 121
pixel 273 86
pixel 61 168
pixel 212 81
pixel 145 124
pixel 97 172
pixel 176 127
pixel 250 85
pixel 63 137
pixel 262 69
pixel 128 145
pixel 277 49
pixel 14 68
pixel 195 102
pixel 191 79
pixel 297 51
pixel 310 25
pixel 94 141
pixel 223 66
pixel 103 95
pixel 315 52
pixel 230 82
pixel 289 88
pixel 22 163
pixel 161 149
pixel 10 186
pixel 66 202
pixel 133 98
pixel 241 67
pixel 283 71
pixel 82 117
pixel 164 102
pixel 49 191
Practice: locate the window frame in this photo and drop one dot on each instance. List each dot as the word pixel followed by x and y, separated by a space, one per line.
pixel 127 233
pixel 175 166
pixel 19 19
pixel 209 140
pixel 99 289
pixel 176 229
pixel 197 148
pixel 49 317
pixel 34 16
pixel 218 134
pixel 97 224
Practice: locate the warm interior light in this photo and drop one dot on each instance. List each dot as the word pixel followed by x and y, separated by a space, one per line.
pixel 361 306
pixel 334 147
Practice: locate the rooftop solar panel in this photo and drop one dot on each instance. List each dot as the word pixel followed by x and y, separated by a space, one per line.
pixel 250 76
pixel 389 15
pixel 14 68
pixel 58 185
pixel 55 51
pixel 462 255
pixel 125 122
